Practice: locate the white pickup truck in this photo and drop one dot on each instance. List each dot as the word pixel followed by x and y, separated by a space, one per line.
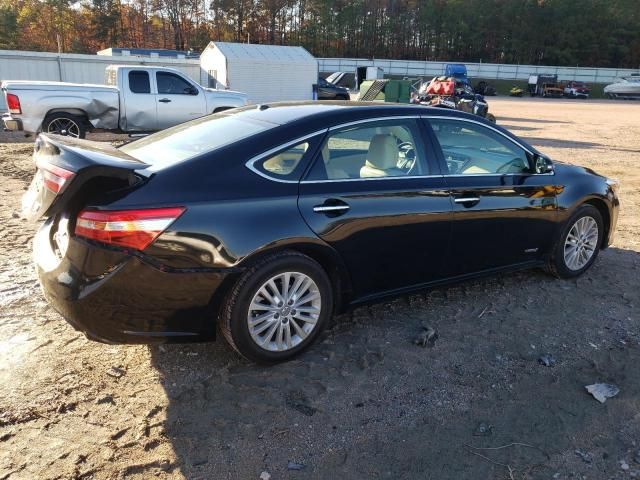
pixel 135 99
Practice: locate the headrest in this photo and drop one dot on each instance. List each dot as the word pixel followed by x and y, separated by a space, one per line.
pixel 383 152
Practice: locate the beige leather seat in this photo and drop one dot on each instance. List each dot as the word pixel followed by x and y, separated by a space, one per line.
pixel 382 158
pixel 333 172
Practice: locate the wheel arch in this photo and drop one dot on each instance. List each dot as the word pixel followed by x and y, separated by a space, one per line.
pixel 603 208
pixel 326 257
pixel 78 112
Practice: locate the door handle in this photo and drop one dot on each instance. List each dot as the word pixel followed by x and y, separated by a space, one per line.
pixel 466 199
pixel 164 100
pixel 331 208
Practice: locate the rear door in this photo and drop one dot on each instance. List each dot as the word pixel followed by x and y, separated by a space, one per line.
pixel 375 194
pixel 139 102
pixel 178 99
pixel 503 213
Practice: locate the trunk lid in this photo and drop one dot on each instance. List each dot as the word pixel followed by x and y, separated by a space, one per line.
pixel 70 171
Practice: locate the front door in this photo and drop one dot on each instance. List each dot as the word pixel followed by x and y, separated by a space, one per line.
pixel 178 100
pixel 504 213
pixel 375 195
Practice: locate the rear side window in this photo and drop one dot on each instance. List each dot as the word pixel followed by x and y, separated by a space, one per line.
pixel 285 162
pixel 139 82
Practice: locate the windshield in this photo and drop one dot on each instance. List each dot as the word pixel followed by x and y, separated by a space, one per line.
pixel 187 140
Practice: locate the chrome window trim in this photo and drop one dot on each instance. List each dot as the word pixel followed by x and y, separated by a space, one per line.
pixel 375 119
pixel 250 163
pixel 446 117
pixel 366 179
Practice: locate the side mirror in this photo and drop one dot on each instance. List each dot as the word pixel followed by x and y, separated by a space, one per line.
pixel 542 164
pixel 191 91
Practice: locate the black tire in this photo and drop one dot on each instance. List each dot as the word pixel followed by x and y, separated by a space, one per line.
pixel 235 308
pixel 66 124
pixel 557 264
pixel 342 97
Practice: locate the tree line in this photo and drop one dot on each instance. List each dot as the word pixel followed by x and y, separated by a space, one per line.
pixel 601 33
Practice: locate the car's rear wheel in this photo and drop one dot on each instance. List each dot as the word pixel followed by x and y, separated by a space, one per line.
pixel 277 308
pixel 579 243
pixel 65 124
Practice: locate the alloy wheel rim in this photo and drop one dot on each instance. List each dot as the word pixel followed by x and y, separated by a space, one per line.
pixel 284 311
pixel 581 243
pixel 64 126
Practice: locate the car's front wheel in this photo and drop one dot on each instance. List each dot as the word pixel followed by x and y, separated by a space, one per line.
pixel 277 308
pixel 579 243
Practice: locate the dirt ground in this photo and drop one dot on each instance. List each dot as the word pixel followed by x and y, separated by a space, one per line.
pixel 365 402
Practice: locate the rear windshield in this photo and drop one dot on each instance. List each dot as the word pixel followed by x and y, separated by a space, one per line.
pixel 188 140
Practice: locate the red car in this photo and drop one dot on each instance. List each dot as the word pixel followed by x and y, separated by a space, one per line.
pixel 576 90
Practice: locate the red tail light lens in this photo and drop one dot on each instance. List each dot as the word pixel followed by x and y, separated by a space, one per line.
pixel 126 228
pixel 55 178
pixel 13 103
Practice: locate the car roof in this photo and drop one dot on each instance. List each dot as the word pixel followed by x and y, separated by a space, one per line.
pixel 281 113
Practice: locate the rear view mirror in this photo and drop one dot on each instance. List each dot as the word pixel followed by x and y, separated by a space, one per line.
pixel 542 164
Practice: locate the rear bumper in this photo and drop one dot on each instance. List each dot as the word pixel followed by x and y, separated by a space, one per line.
pixel 114 297
pixel 10 123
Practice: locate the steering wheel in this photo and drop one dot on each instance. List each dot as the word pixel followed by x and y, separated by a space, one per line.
pixel 511 163
pixel 407 163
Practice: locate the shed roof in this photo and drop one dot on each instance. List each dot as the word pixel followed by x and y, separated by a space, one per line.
pixel 263 53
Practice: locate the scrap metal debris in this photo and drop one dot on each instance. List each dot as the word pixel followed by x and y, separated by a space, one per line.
pixel 585 456
pixel 547 360
pixel 602 391
pixel 295 466
pixel 426 338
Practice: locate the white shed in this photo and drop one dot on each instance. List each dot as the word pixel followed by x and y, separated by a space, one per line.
pixel 267 73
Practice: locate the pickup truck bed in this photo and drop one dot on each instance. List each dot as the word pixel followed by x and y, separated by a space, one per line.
pixel 100 103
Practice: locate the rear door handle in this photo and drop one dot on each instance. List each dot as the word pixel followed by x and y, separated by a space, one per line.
pixel 332 206
pixel 466 199
pixel 164 100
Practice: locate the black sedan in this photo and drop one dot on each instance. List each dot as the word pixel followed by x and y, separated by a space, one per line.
pixel 268 220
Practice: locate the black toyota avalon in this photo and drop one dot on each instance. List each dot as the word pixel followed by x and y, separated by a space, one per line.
pixel 267 220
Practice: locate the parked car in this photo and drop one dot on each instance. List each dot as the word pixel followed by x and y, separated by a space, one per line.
pixel 329 91
pixel 135 99
pixel 268 220
pixel 576 89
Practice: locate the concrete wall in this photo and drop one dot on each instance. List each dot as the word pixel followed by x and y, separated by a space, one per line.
pixel 492 71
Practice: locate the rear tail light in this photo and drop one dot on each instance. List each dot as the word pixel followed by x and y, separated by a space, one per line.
pixel 13 103
pixel 55 178
pixel 126 228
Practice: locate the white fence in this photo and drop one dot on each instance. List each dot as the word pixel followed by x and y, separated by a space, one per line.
pixel 489 71
pixel 68 67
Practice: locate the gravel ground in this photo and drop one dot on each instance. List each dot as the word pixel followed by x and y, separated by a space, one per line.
pixel 365 402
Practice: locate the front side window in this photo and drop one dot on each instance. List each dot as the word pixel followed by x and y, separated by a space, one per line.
pixel 371 150
pixel 472 149
pixel 172 84
pixel 139 82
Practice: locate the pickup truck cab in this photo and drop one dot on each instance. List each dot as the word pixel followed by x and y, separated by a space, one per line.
pixel 135 99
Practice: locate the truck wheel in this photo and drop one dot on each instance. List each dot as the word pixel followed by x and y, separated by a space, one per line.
pixel 66 124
